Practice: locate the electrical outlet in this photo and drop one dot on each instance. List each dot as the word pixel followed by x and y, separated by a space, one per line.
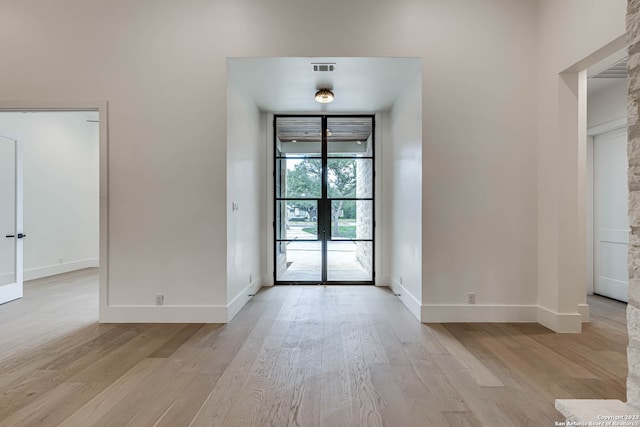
pixel 471 298
pixel 159 299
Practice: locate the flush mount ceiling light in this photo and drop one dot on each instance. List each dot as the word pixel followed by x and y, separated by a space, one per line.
pixel 324 96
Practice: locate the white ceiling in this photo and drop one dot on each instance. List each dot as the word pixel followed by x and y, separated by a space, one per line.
pixel 288 84
pixel 597 85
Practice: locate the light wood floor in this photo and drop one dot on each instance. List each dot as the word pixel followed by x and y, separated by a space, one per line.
pixel 299 356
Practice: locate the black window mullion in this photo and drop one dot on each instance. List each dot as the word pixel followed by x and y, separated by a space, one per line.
pixel 326 211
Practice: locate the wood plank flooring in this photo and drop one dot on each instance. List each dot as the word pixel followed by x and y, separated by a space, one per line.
pixel 294 356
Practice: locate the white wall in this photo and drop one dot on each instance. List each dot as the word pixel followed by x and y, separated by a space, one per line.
pixel 246 173
pixel 608 104
pixel 60 189
pixel 164 74
pixel 571 38
pixel 402 166
pixel 479 162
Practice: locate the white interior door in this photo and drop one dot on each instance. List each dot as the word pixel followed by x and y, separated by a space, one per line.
pixel 11 237
pixel 611 224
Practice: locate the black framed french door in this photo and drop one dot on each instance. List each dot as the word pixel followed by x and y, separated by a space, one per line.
pixel 324 186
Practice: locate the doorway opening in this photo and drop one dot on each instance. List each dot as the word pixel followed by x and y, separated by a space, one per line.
pixel 50 182
pixel 324 199
pixel 607 192
pixel 610 220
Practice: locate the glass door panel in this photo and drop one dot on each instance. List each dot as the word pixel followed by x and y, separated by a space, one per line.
pixel 350 178
pixel 351 220
pixel 324 187
pixel 298 136
pixel 298 190
pixel 299 261
pixel 349 261
pixel 299 178
pixel 297 220
pixel 350 136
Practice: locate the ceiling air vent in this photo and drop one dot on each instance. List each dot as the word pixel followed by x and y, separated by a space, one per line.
pixel 616 71
pixel 324 66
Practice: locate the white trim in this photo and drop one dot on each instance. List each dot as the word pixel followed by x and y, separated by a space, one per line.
pixel 51 270
pixel 269 217
pixel 164 314
pixel 474 313
pixel 589 201
pixel 179 313
pixel 85 105
pixel 408 299
pixel 560 322
pixel 585 312
pixel 10 292
pixel 19 227
pixel 12 287
pixel 607 126
pixel 241 299
pixel 379 247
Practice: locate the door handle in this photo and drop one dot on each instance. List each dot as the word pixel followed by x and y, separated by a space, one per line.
pixel 20 235
pixel 9 235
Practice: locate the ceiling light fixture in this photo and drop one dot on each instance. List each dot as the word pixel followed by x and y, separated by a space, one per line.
pixel 324 96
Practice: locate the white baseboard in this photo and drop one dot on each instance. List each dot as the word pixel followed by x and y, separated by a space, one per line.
pixel 585 312
pixel 178 313
pixel 163 314
pixel 408 299
pixel 560 322
pixel 453 313
pixel 51 270
pixel 241 299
